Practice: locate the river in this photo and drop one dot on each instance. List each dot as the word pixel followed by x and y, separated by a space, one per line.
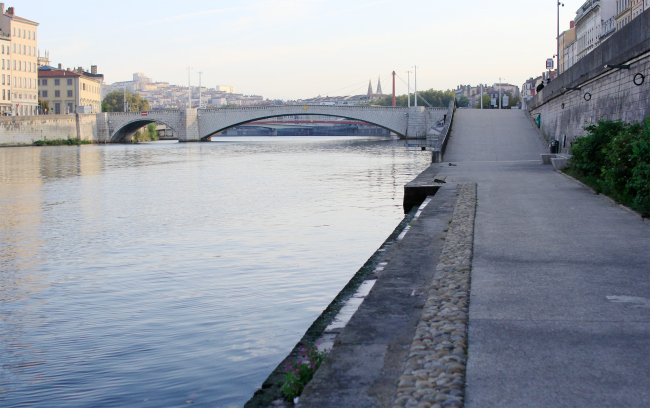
pixel 164 275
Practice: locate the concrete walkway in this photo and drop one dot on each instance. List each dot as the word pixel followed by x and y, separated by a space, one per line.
pixel 560 292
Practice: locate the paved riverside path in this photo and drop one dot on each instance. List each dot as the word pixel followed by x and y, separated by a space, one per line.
pixel 560 291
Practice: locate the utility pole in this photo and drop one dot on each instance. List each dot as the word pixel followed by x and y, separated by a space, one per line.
pixel 200 73
pixel 409 89
pixel 124 98
pixel 558 35
pixel 416 86
pixel 394 101
pixel 481 96
pixel 189 89
pixel 500 103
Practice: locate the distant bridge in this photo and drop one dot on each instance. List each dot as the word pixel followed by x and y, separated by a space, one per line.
pixel 193 125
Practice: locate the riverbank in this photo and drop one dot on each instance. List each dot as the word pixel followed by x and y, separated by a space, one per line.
pixel 269 393
pixel 406 342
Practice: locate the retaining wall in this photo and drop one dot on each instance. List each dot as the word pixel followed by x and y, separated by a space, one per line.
pixel 605 93
pixel 27 129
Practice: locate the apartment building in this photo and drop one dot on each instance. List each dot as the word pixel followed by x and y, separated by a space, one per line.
pixel 5 82
pixel 23 64
pixel 65 90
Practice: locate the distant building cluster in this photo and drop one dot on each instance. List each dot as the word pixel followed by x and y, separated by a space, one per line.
pixel 473 93
pixel 349 100
pixel 595 22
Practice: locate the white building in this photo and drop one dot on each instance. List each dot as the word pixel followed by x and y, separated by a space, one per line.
pixel 590 19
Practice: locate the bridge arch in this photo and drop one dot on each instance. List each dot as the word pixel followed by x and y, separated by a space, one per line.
pixel 125 131
pixel 394 119
pixel 230 126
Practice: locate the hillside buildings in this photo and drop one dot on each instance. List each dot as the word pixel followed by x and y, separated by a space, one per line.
pixel 20 76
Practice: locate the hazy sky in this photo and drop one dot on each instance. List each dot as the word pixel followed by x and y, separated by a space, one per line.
pixel 289 49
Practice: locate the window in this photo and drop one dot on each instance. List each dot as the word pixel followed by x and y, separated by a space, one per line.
pixel 3 63
pixel 3 49
pixel 44 81
pixel 3 94
pixel 57 94
pixel 24 49
pixel 84 87
pixel 3 80
pixel 44 94
pixel 69 94
pixel 69 81
pixel 29 35
pixel 57 82
pixel 14 47
pixel 14 31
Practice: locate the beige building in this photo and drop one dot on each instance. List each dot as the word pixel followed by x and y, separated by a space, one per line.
pixel 566 38
pixel 23 67
pixel 66 90
pixel 5 81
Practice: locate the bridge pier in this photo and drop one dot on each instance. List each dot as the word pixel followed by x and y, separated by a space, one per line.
pixel 189 126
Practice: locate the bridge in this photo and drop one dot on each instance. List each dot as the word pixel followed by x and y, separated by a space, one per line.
pixel 194 125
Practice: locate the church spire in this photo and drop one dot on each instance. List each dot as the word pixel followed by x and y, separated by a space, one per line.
pixel 379 92
pixel 370 92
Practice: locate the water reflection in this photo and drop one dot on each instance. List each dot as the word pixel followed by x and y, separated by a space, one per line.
pixel 159 274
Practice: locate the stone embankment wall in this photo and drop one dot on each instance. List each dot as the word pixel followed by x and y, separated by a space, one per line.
pixel 605 93
pixel 27 129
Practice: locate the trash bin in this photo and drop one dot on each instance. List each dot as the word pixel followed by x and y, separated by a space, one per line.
pixel 555 146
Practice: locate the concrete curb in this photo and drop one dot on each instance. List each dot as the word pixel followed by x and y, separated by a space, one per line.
pixel 434 375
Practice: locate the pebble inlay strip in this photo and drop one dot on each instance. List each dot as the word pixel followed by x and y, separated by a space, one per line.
pixel 434 376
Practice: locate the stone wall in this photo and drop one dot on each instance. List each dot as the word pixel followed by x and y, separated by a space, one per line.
pixel 28 129
pixel 605 93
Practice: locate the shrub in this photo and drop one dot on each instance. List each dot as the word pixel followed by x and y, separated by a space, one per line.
pixel 614 158
pixel 301 371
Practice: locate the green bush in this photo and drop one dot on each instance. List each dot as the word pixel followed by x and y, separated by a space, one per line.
pixel 614 158
pixel 301 371
pixel 61 142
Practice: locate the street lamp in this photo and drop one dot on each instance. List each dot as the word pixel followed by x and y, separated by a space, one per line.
pixel 558 35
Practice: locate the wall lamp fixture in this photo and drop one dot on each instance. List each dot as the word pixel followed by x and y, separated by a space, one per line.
pixel 610 66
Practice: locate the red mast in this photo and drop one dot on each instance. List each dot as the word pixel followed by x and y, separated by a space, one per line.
pixel 394 102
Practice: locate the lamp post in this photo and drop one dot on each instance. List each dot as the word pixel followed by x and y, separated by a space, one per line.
pixel 558 35
pixel 416 85
pixel 408 91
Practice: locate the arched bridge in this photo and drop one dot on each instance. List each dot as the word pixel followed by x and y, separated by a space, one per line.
pixel 192 125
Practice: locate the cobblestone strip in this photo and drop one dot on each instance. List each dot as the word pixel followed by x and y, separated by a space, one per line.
pixel 434 376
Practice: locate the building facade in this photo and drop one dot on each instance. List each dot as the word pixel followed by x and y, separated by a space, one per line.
pixel 23 69
pixel 566 38
pixel 66 90
pixel 5 82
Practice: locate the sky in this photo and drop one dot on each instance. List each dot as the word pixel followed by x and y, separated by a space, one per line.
pixel 293 49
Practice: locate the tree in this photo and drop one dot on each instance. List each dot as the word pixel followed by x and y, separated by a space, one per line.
pixel 487 100
pixel 44 105
pixel 463 101
pixel 437 99
pixel 114 102
pixel 513 100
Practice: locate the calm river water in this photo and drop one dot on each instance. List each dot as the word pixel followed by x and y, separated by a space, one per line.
pixel 164 275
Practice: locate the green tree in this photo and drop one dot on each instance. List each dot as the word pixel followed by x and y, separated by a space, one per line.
pixel 463 101
pixel 513 100
pixel 44 105
pixel 437 99
pixel 152 133
pixel 487 100
pixel 114 102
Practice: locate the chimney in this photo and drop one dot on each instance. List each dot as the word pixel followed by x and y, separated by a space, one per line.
pixel 60 66
pixel 69 69
pixel 572 24
pixel 80 70
pixel 93 69
pixel 10 11
pixel 2 8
